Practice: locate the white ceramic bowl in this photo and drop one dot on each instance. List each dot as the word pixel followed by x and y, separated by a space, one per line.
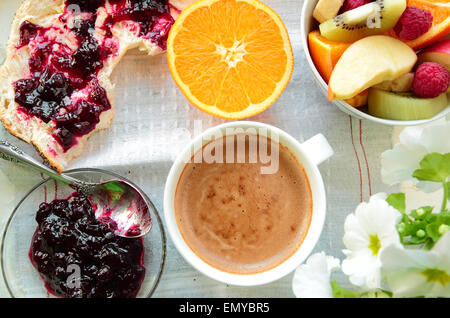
pixel 310 153
pixel 307 25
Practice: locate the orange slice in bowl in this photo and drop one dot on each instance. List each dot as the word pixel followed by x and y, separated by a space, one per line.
pixel 230 58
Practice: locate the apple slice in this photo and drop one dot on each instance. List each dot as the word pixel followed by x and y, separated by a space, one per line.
pixel 358 100
pixel 403 83
pixel 327 9
pixel 438 53
pixel 368 62
pixel 370 19
pixel 398 106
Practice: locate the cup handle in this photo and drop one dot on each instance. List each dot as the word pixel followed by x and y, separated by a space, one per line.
pixel 317 149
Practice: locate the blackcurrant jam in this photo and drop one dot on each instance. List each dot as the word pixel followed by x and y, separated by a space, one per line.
pixel 79 256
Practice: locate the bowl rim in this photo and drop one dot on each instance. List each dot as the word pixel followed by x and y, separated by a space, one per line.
pixel 353 111
pixel 78 170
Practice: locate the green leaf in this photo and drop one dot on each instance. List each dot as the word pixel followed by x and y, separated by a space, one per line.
pixel 115 190
pixel 428 245
pixel 341 292
pixel 433 231
pixel 421 213
pixel 377 294
pixel 424 227
pixel 446 195
pixel 434 167
pixel 397 201
pixel 438 225
pixel 415 240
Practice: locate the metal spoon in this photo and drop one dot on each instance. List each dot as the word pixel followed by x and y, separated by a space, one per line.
pixel 116 199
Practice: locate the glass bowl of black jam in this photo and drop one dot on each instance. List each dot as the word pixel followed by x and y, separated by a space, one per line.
pixel 54 246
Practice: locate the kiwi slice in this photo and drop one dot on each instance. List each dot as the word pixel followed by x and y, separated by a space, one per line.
pixel 404 106
pixel 370 19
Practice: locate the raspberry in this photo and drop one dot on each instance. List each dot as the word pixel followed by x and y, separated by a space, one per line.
pixel 413 23
pixel 353 4
pixel 431 80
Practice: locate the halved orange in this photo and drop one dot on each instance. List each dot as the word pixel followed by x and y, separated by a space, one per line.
pixel 440 10
pixel 230 58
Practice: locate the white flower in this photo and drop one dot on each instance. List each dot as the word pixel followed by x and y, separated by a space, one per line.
pixel 415 273
pixel 367 231
pixel 312 279
pixel 399 163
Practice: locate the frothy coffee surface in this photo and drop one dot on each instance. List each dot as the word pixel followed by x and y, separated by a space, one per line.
pixel 239 220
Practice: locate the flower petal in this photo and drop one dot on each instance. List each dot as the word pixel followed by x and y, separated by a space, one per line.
pixel 434 144
pixel 405 270
pixel 374 219
pixel 399 163
pixel 312 279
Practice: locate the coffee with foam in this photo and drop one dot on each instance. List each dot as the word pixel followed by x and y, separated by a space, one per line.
pixel 236 217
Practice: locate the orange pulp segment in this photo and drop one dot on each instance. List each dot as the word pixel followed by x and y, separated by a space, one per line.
pixel 230 58
pixel 325 53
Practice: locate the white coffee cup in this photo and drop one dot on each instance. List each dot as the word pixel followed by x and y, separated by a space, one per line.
pixel 309 153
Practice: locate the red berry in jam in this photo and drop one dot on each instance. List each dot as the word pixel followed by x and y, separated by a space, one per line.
pixel 27 32
pixel 85 5
pixel 87 59
pixel 84 28
pixel 152 16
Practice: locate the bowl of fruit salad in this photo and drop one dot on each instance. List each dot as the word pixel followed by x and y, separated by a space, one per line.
pixel 387 61
pixel 55 246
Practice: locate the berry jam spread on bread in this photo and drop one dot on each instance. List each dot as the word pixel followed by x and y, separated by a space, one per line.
pixel 55 81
